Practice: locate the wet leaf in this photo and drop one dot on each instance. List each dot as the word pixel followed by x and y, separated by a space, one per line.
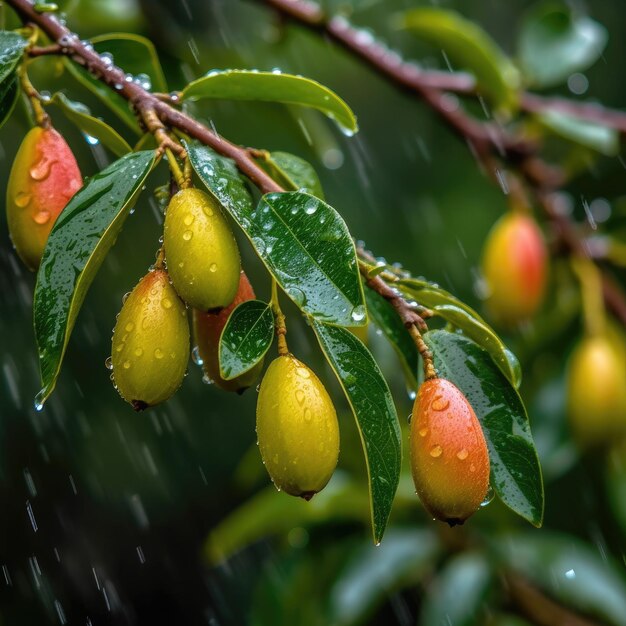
pixel 599 138
pixel 515 470
pixel 387 319
pixel 12 47
pixel 557 40
pixel 570 571
pixel 467 45
pixel 292 173
pixel 375 414
pixel 9 91
pixel 272 87
pixel 92 126
pixel 80 239
pixel 246 338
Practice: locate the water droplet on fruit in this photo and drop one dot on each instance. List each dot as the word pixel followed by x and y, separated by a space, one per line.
pixel 158 353
pixel 187 235
pixel 188 219
pixel 41 169
pixel 126 365
pixel 489 496
pixel 462 454
pixel 22 199
pixel 300 396
pixel 440 403
pixel 108 363
pixel 41 217
pixel 436 451
pixel 166 303
pixel 138 351
pixel 423 432
pixel 213 267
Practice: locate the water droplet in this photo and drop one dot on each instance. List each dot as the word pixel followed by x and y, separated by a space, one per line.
pixel 570 574
pixel 436 451
pixel 472 468
pixel 120 347
pixel 310 209
pixel 206 379
pixel 358 313
pixel 440 404
pixel 188 219
pixel 126 365
pixel 41 169
pixel 423 432
pixel 462 454
pixel 138 351
pixel 489 496
pixel 409 418
pixel 187 235
pixel 158 353
pixel 41 217
pixel 108 363
pixel 166 303
pixel 307 415
pixel 303 372
pixel 207 210
pixel 300 396
pixel 125 297
pixel 39 400
pixel 213 267
pixel 195 356
pixel 411 393
pixel 22 199
pixel 129 327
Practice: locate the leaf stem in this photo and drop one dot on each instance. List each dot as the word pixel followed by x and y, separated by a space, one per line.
pixel 280 328
pixel 425 353
pixel 41 117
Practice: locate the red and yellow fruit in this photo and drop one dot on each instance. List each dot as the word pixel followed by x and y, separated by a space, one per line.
pixel 515 268
pixel 202 254
pixel 43 178
pixel 150 346
pixel 596 390
pixel 297 428
pixel 207 331
pixel 449 456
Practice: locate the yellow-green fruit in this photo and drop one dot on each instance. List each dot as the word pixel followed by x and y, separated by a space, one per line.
pixel 596 391
pixel 297 428
pixel 43 178
pixel 150 346
pixel 202 254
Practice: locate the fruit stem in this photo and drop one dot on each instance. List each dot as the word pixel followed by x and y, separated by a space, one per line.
pixel 175 169
pixel 159 263
pixel 41 117
pixel 594 313
pixel 426 354
pixel 280 328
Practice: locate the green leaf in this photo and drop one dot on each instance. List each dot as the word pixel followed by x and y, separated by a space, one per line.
pixel 375 572
pixel 9 91
pixel 515 469
pixel 246 338
pixel 458 592
pixel 595 136
pixel 387 319
pixel 557 40
pixel 78 243
pixel 583 578
pixel 12 47
pixel 465 318
pixel 79 114
pixel 375 414
pixel 272 87
pixel 292 173
pixel 471 48
pixel 303 242
pixel 269 512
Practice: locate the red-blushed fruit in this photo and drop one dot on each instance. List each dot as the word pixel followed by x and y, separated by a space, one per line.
pixel 596 391
pixel 515 268
pixel 207 329
pixel 43 178
pixel 449 457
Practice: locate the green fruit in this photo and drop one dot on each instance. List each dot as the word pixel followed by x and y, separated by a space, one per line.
pixel 43 178
pixel 297 428
pixel 150 346
pixel 202 254
pixel 207 330
pixel 596 391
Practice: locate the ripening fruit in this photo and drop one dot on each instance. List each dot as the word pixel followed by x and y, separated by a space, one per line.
pixel 202 254
pixel 150 342
pixel 297 428
pixel 596 391
pixel 208 328
pixel 449 457
pixel 43 178
pixel 515 268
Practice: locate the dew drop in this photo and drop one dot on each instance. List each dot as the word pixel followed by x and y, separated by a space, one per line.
pixel 462 454
pixel 207 210
pixel 129 327
pixel 187 235
pixel 126 365
pixel 120 347
pixel 125 297
pixel 358 313
pixel 213 267
pixel 440 404
pixel 41 169
pixel 138 351
pixel 39 400
pixel 158 353
pixel 41 217
pixel 195 356
pixel 307 415
pixel 436 451
pixel 303 372
pixel 166 303
pixel 489 496
pixel 300 396
pixel 22 199
pixel 188 219
pixel 108 363
pixel 409 418
pixel 423 432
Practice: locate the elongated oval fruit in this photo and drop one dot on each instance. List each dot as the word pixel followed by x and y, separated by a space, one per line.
pixel 515 268
pixel 150 346
pixel 297 428
pixel 596 391
pixel 208 328
pixel 43 178
pixel 202 254
pixel 449 457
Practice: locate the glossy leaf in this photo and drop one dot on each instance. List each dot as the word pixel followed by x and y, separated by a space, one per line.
pixel 466 319
pixel 77 246
pixel 599 138
pixel 92 126
pixel 375 571
pixel 9 91
pixel 246 338
pixel 387 319
pixel 569 570
pixel 303 242
pixel 469 47
pixel 12 47
pixel 515 471
pixel 556 40
pixel 272 87
pixel 375 414
pixel 292 173
pixel 457 593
